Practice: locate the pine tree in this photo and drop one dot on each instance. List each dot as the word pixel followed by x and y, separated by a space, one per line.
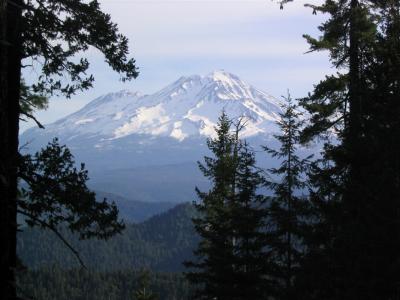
pixel 319 275
pixel 287 208
pixel 354 190
pixel 230 259
pixel 56 194
pixel 252 263
pixel 215 251
pixel 48 34
pixel 144 292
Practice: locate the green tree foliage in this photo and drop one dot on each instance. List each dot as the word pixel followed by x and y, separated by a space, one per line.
pixel 55 33
pixel 57 194
pixel 251 262
pixel 288 208
pixel 143 292
pixel 52 283
pixel 230 261
pixel 52 37
pixel 160 244
pixel 353 189
pixel 30 102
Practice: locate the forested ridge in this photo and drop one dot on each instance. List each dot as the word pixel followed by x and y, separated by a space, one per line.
pixel 55 283
pixel 161 243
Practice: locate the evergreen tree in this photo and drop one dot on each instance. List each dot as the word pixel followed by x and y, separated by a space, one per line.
pixel 31 102
pixel 144 292
pixel 319 274
pixel 287 210
pixel 215 250
pixel 57 194
pixel 230 259
pixel 354 190
pixel 48 34
pixel 252 263
pixel 53 282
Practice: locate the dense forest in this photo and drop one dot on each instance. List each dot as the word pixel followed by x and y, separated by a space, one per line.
pixel 133 211
pixel 114 267
pixel 161 243
pixel 55 283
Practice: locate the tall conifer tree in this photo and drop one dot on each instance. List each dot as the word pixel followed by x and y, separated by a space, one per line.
pixel 143 292
pixel 287 208
pixel 354 190
pixel 230 260
pixel 252 261
pixel 48 34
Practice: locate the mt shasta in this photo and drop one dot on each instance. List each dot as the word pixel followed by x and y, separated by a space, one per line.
pixel 132 142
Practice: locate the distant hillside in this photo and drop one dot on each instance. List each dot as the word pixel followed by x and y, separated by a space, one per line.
pixel 161 243
pixel 133 211
pixel 153 184
pixel 78 284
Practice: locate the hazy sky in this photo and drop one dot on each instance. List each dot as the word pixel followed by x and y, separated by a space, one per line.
pixel 253 39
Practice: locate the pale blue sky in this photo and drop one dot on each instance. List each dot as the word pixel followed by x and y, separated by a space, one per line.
pixel 253 39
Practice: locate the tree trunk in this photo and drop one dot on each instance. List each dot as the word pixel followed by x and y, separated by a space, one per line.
pixel 10 74
pixel 354 126
pixel 354 237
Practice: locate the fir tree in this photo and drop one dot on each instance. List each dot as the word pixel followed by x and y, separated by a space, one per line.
pixel 230 259
pixel 252 263
pixel 56 194
pixel 354 190
pixel 144 292
pixel 287 208
pixel 48 35
pixel 215 251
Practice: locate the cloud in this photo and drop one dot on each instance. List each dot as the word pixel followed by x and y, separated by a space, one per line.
pixel 188 28
pixel 148 14
pixel 168 39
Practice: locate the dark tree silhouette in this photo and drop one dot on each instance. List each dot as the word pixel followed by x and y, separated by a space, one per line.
pixel 354 190
pixel 288 207
pixel 231 263
pixel 48 35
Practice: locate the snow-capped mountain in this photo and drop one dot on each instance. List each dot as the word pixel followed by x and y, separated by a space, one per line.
pixel 124 130
pixel 188 107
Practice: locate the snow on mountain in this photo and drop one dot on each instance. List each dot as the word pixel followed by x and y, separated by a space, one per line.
pixel 146 146
pixel 186 108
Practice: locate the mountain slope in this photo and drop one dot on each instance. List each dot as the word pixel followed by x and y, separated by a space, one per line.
pixel 161 243
pixel 145 147
pixel 133 211
pixel 186 108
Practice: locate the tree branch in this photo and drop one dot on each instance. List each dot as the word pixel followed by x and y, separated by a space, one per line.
pixel 33 118
pixel 58 234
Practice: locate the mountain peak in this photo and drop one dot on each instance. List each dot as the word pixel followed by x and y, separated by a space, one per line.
pixel 222 76
pixel 118 95
pixel 126 93
pixel 186 108
pixel 219 77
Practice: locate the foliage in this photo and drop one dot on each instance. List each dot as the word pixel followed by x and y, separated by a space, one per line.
pixel 230 261
pixel 352 188
pixel 161 243
pixel 51 36
pixel 55 36
pixel 30 102
pixel 143 292
pixel 347 36
pixel 58 194
pixel 60 284
pixel 287 209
